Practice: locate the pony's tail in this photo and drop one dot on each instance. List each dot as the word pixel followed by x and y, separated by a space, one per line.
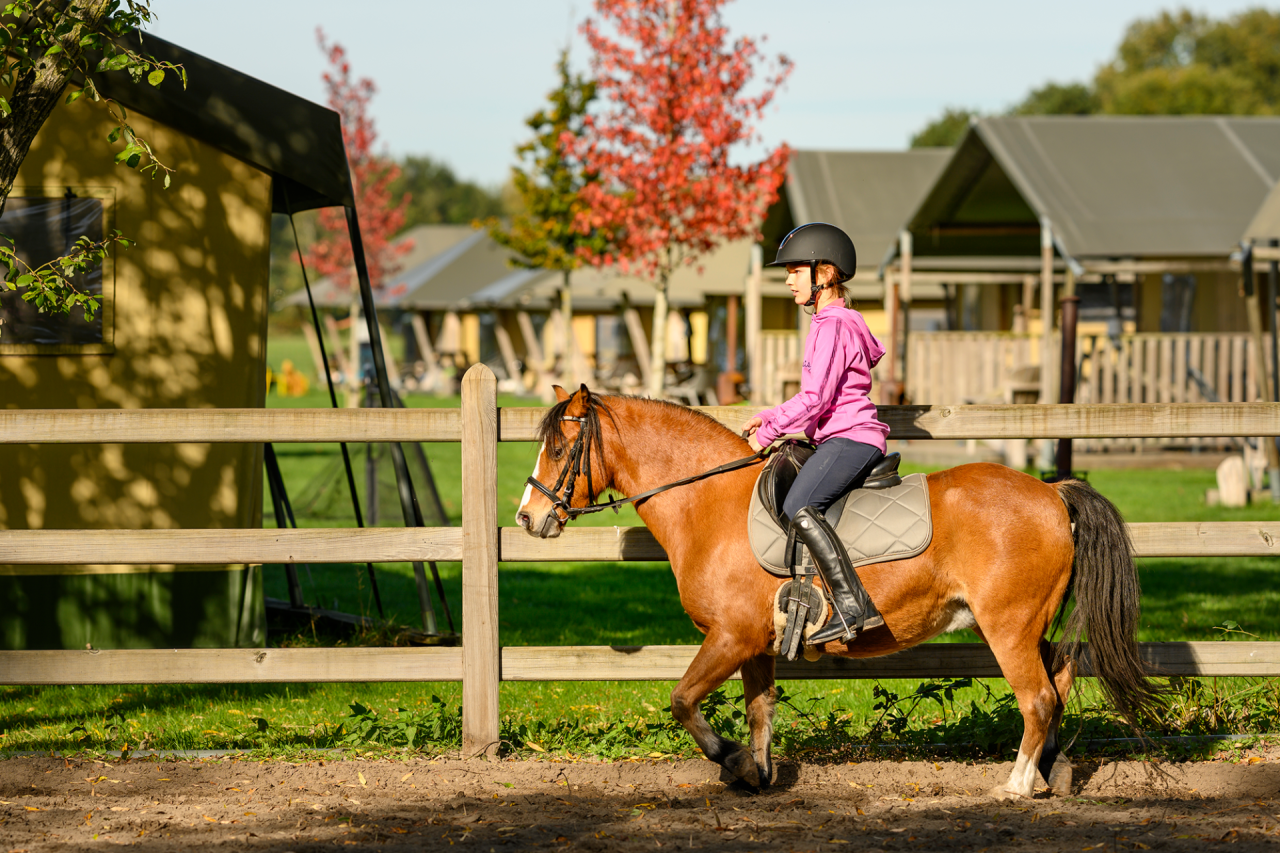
pixel 1105 583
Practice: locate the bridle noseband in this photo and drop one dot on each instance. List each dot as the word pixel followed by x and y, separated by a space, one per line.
pixel 580 456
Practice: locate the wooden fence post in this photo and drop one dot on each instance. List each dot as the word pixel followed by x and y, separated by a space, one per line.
pixel 479 561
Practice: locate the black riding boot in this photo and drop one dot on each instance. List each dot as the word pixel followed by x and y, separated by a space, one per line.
pixel 854 611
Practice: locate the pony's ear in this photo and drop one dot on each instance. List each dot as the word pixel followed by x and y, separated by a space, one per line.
pixel 561 394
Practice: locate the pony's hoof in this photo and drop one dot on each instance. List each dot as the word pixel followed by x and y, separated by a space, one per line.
pixel 765 775
pixel 1000 792
pixel 1060 778
pixel 743 768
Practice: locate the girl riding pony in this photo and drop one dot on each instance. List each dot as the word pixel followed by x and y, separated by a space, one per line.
pixel 834 410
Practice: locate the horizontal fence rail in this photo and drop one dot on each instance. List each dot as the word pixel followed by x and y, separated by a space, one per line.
pixel 151 426
pixel 1154 420
pixel 203 548
pixel 71 552
pixel 236 426
pixel 561 663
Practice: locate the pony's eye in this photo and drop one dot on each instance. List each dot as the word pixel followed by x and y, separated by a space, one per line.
pixel 555 452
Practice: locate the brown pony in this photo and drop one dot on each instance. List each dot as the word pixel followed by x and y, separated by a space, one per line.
pixel 1002 561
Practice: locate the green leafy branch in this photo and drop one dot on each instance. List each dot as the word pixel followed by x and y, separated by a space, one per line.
pixel 52 285
pixel 134 146
pixel 33 34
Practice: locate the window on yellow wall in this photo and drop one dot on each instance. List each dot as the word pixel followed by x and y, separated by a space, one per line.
pixel 45 227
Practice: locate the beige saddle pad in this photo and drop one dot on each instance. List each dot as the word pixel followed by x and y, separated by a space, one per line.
pixel 877 525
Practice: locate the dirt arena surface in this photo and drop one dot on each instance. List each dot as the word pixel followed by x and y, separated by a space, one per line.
pixel 52 804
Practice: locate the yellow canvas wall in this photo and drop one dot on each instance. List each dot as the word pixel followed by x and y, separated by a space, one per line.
pixel 187 308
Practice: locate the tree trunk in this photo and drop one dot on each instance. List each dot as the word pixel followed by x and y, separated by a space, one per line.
pixel 658 347
pixel 37 92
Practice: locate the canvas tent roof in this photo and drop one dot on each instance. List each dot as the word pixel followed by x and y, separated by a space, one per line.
pixel 483 270
pixel 1111 186
pixel 297 141
pixel 869 194
pixel 472 274
pixel 429 243
pixel 719 273
pixel 455 268
pixel 1266 222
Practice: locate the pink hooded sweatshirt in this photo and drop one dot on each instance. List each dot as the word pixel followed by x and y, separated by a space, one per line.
pixel 835 385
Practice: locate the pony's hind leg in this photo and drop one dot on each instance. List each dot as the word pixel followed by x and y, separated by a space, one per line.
pixel 761 695
pixel 1054 766
pixel 1039 702
pixel 715 662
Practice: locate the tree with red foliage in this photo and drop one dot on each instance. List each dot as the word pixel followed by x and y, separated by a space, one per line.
pixel 380 216
pixel 678 108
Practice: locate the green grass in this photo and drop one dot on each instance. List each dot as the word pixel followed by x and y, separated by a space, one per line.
pixel 638 604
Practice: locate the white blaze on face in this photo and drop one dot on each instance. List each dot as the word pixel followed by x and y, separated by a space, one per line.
pixel 528 489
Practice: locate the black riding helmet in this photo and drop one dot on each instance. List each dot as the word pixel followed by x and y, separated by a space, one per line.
pixel 818 243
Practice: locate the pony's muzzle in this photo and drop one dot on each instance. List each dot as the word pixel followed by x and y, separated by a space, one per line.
pixel 547 527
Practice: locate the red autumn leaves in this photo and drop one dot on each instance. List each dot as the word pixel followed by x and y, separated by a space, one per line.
pixel 381 217
pixel 678 104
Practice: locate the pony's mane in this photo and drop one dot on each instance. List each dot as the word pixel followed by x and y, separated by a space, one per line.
pixel 551 428
pixel 697 419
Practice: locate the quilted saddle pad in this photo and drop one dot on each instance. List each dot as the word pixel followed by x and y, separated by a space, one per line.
pixel 877 525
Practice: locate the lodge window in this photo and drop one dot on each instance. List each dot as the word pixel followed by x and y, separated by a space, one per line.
pixel 45 225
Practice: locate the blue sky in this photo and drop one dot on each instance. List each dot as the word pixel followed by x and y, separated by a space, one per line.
pixel 457 78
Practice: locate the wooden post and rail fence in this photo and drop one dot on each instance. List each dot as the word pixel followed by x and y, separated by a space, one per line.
pixel 481 664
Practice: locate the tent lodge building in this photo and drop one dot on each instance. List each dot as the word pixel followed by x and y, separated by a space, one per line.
pixel 1135 215
pixel 183 324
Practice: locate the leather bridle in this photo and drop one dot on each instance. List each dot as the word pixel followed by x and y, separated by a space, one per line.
pixel 580 457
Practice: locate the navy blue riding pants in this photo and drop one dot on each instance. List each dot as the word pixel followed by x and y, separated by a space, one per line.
pixel 838 465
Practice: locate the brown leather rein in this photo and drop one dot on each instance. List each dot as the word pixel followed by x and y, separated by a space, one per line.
pixel 580 456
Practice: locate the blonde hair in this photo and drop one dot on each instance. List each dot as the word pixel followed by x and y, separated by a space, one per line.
pixel 835 282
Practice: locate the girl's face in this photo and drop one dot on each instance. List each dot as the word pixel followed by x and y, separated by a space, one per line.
pixel 798 282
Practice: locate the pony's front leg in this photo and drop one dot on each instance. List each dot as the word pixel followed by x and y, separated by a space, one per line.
pixel 715 661
pixel 761 695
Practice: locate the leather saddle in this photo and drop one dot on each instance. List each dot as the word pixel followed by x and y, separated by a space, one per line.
pixel 784 465
pixel 887 518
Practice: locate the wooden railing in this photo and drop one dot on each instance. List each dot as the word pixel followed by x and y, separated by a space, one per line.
pixel 780 353
pixel 967 367
pixel 1168 368
pixel 1157 367
pixel 480 664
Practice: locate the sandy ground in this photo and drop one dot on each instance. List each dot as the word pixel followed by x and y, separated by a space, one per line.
pixel 49 804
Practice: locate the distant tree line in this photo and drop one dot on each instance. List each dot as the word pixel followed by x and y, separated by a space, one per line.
pixel 1177 63
pixel 438 196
